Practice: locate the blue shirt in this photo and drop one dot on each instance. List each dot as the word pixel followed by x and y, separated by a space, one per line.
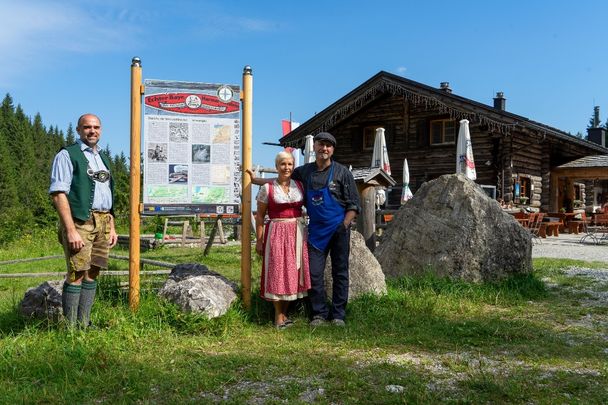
pixel 61 176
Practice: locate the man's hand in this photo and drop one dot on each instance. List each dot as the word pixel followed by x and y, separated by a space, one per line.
pixel 113 235
pixel 258 181
pixel 74 240
pixel 113 238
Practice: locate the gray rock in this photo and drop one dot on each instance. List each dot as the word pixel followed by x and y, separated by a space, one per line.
pixel 43 301
pixel 365 273
pixel 195 288
pixel 453 229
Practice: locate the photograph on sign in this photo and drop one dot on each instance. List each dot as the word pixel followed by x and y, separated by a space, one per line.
pixel 192 146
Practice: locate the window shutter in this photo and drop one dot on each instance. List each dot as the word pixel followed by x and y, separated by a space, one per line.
pixel 357 139
pixel 422 133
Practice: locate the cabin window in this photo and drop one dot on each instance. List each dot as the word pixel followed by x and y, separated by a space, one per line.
pixel 443 132
pixel 522 188
pixel 369 136
pixel 524 184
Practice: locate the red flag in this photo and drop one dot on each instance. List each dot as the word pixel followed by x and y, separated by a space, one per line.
pixel 288 126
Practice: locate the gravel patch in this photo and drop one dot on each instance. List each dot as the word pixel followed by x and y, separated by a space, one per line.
pixel 568 246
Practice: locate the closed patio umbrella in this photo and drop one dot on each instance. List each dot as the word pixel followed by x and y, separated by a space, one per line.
pixel 309 151
pixel 465 163
pixel 380 154
pixel 406 193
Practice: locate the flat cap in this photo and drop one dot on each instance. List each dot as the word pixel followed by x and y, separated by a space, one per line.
pixel 325 136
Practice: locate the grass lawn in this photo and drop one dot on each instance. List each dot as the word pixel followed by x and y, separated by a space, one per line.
pixel 536 339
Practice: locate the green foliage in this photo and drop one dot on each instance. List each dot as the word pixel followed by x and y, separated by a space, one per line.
pixel 441 341
pixel 27 150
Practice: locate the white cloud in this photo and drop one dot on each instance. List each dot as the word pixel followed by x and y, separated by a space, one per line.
pixel 35 33
pixel 401 70
pixel 211 23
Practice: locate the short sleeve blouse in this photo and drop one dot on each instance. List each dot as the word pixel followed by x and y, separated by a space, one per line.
pixel 293 195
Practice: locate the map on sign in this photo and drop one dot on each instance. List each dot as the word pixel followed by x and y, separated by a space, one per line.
pixel 192 147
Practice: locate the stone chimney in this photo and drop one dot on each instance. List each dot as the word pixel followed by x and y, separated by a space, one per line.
pixel 445 86
pixel 500 102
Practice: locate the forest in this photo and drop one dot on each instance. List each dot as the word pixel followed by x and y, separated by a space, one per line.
pixel 27 149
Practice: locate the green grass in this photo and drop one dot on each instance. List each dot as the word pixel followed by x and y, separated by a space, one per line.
pixel 442 341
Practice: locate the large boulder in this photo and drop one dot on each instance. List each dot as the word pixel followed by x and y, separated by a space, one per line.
pixel 365 273
pixel 195 288
pixel 453 229
pixel 44 301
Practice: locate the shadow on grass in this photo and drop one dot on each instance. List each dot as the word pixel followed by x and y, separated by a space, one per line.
pixel 157 371
pixel 423 312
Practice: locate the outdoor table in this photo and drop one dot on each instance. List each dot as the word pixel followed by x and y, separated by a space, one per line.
pixel 522 218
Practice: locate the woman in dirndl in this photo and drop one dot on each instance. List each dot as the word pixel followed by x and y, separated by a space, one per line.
pixel 281 241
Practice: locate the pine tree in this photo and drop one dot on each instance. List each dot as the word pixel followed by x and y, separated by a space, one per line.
pixel 594 121
pixel 8 176
pixel 120 175
pixel 13 217
pixel 70 138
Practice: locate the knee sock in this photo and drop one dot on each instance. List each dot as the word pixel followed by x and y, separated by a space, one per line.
pixel 87 296
pixel 70 297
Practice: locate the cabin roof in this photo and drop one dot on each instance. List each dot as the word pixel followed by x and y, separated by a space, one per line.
pixel 366 174
pixel 457 107
pixel 587 162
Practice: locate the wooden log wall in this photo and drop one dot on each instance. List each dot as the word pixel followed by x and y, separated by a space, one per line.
pixel 499 158
pixel 408 135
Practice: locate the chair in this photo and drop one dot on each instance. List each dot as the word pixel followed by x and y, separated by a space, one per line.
pixel 598 231
pixel 536 220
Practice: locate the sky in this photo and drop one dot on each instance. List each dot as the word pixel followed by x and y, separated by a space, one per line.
pixel 65 58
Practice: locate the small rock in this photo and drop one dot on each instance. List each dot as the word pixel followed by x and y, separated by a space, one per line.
pixel 43 301
pixel 395 389
pixel 312 395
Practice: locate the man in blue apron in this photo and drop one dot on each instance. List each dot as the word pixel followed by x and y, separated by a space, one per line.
pixel 332 202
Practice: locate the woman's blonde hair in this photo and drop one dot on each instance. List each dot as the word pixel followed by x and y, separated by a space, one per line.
pixel 282 155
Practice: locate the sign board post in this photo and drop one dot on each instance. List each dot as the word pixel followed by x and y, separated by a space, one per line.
pixel 247 100
pixel 135 171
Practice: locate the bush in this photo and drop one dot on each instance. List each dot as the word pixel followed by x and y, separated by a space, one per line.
pixel 15 223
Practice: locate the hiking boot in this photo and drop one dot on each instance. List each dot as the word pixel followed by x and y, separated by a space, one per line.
pixel 318 321
pixel 338 322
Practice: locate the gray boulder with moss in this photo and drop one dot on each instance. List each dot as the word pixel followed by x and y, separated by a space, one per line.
pixel 451 228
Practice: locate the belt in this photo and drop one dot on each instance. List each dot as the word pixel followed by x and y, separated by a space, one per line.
pixel 100 212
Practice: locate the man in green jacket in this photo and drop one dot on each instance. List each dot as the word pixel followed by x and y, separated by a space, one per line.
pixel 82 192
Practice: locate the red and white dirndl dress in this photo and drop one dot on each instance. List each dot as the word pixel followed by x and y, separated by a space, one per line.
pixel 285 274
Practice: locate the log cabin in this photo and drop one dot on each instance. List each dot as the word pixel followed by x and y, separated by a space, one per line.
pixel 514 155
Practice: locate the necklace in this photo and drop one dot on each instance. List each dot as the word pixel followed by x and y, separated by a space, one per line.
pixel 284 187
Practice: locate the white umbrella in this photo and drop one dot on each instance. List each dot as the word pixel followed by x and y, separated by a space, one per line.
pixel 309 151
pixel 465 163
pixel 380 154
pixel 406 193
pixel 295 152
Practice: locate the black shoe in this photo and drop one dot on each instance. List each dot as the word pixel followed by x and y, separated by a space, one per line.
pixel 318 320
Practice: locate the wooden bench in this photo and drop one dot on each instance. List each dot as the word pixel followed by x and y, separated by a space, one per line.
pixel 575 226
pixel 549 228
